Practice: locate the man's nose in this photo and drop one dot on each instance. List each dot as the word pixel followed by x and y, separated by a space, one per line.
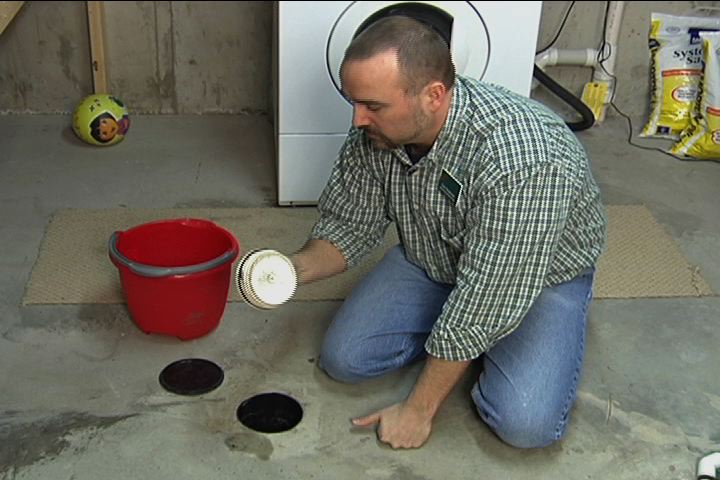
pixel 360 116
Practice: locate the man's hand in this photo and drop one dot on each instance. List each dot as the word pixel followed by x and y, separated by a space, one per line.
pixel 408 424
pixel 400 426
pixel 318 259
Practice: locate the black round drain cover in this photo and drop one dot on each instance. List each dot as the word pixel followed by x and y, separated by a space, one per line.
pixel 191 376
pixel 270 413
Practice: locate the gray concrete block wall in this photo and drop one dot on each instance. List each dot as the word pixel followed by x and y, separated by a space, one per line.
pixel 215 57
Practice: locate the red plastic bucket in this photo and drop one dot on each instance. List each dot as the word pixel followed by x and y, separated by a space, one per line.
pixel 175 274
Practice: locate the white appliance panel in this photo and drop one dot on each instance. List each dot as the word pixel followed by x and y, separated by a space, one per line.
pixel 307 100
pixel 491 40
pixel 308 158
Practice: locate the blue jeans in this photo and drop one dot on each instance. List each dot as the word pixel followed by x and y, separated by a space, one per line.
pixel 529 378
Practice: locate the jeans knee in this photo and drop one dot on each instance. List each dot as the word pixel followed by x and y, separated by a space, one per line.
pixel 521 424
pixel 528 433
pixel 340 367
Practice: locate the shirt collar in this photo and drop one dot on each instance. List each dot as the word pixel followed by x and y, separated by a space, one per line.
pixel 443 144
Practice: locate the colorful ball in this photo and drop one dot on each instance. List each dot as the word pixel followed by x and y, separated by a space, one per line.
pixel 101 120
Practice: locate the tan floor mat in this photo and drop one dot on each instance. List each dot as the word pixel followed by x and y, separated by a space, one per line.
pixel 641 259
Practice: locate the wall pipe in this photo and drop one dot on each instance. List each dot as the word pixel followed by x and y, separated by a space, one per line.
pixel 606 71
pixel 585 57
pixel 589 57
pixel 707 467
pixel 612 34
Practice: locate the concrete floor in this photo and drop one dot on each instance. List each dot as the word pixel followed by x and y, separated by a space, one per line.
pixel 80 398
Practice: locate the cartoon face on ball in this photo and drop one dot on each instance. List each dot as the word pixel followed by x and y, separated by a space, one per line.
pixel 103 128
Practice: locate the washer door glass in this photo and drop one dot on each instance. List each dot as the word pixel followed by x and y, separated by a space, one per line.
pixel 459 23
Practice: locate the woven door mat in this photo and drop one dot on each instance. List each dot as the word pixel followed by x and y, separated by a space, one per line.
pixel 641 260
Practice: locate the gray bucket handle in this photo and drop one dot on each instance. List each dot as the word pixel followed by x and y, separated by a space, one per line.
pixel 156 272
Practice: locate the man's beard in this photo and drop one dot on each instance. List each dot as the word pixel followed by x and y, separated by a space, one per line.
pixel 380 141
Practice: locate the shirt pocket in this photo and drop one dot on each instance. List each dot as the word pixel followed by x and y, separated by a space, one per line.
pixel 444 221
pixel 452 233
pixel 450 222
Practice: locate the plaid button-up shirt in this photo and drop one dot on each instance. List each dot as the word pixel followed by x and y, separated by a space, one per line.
pixel 529 213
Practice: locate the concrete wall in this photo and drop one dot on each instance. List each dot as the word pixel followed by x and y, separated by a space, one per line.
pixel 44 56
pixel 162 57
pixel 215 57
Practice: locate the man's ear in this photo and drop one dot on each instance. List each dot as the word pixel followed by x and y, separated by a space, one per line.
pixel 435 93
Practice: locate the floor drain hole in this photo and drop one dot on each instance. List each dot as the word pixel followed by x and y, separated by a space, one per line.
pixel 270 413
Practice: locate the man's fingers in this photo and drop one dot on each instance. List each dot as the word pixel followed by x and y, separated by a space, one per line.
pixel 368 420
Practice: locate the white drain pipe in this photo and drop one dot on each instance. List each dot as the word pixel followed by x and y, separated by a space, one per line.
pixel 588 57
pixel 551 57
pixel 612 34
pixel 708 466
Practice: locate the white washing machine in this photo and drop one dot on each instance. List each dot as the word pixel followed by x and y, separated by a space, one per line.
pixel 492 41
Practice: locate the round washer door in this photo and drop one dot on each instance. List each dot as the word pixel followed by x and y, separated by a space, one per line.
pixel 457 22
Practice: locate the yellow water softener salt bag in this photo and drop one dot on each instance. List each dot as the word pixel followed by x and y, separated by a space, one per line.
pixel 702 137
pixel 676 66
